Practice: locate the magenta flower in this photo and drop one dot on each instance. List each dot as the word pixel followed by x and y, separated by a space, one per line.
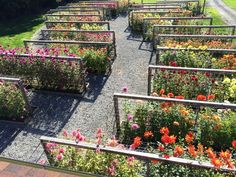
pixel 59 157
pixel 42 162
pixel 62 151
pixel 130 117
pixel 65 133
pixel 74 133
pixel 125 89
pixel 135 126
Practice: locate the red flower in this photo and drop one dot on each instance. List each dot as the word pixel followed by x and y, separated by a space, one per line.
pixel 178 151
pixel 234 144
pixel 191 151
pixel 162 91
pixel 173 63
pixel 194 78
pixel 164 130
pixel 161 148
pixel 210 153
pixel 166 139
pixel 179 97
pixel 207 74
pixel 154 161
pixel 170 95
pixel 201 98
pixel 137 142
pixel 211 97
pixel 166 156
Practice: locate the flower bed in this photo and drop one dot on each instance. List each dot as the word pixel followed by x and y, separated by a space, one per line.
pixel 211 123
pixel 150 25
pixel 202 57
pixel 195 28
pixel 78 25
pixel 72 17
pixel 193 83
pixel 136 17
pixel 194 41
pixel 79 35
pixel 90 11
pixel 112 159
pixel 45 72
pixel 98 56
pixel 13 103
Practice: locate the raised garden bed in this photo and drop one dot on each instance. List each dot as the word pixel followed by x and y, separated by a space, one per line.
pixel 206 57
pixel 137 114
pixel 98 56
pixel 113 159
pixel 78 25
pixel 14 104
pixel 46 72
pixel 76 12
pixel 72 17
pixel 136 19
pixel 193 83
pixel 190 29
pixel 79 35
pixel 194 41
pixel 149 23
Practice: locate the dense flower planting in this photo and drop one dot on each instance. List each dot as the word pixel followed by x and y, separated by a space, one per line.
pixel 169 145
pixel 211 124
pixel 74 18
pixel 12 104
pixel 198 43
pixel 77 26
pixel 93 161
pixel 137 17
pixel 195 85
pixel 105 36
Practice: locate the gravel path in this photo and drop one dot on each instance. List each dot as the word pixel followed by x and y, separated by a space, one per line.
pixel 228 14
pixel 95 110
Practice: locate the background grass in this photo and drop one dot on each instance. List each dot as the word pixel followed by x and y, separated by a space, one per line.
pixel 12 33
pixel 230 3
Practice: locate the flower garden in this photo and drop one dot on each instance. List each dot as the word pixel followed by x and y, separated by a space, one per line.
pixel 184 126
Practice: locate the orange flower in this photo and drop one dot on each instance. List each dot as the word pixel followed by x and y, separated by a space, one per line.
pixel 148 134
pixel 170 95
pixel 178 151
pixel 137 142
pixel 211 97
pixel 166 139
pixel 200 149
pixel 229 164
pixel 164 130
pixel 191 151
pixel 201 98
pixel 189 137
pixel 179 97
pixel 162 91
pixel 216 162
pixel 225 155
pixel 210 153
pixel 234 144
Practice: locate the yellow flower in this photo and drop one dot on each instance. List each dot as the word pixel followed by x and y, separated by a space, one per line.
pixel 226 80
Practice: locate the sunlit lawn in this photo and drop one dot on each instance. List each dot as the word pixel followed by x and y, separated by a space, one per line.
pixel 231 3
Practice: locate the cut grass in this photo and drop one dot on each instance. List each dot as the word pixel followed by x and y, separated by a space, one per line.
pixel 230 3
pixel 217 19
pixel 12 33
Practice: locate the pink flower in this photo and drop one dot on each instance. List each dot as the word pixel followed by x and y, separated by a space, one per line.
pixel 135 126
pixel 65 133
pixel 59 157
pixel 62 151
pixel 130 117
pixel 125 89
pixel 42 162
pixel 74 133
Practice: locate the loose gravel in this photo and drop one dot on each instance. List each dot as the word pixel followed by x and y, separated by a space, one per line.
pixel 95 109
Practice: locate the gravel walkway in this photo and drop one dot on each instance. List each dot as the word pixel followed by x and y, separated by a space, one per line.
pixel 228 14
pixel 56 113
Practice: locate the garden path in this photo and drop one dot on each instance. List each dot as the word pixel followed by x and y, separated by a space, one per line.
pixel 228 14
pixel 56 113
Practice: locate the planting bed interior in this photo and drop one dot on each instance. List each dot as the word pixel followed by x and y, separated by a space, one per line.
pixel 72 17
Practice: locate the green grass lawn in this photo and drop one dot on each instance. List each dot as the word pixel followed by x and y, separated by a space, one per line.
pixel 13 33
pixel 230 3
pixel 217 19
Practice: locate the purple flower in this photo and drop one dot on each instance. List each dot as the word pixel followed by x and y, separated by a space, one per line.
pixel 135 126
pixel 130 117
pixel 125 89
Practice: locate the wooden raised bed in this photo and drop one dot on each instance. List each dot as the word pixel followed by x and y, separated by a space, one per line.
pixel 64 17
